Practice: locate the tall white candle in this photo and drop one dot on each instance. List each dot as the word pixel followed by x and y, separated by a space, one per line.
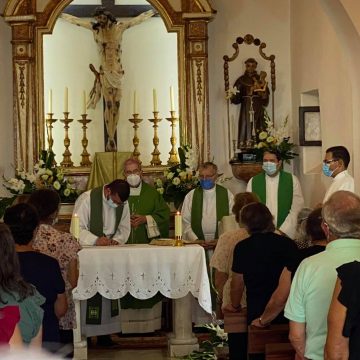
pixel 75 226
pixel 66 99
pixel 135 103
pixel 50 102
pixel 155 100
pixel 178 224
pixel 172 99
pixel 84 102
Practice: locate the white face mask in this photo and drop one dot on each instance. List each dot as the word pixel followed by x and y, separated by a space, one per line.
pixel 133 180
pixel 110 202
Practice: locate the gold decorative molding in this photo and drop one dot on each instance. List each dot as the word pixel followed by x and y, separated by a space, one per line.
pixel 29 26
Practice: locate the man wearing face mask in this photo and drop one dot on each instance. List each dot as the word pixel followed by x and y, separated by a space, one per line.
pixel 204 207
pixel 149 211
pixel 149 219
pixel 104 218
pixel 335 165
pixel 280 191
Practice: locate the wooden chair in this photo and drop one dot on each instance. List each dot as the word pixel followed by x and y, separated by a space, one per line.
pixel 279 351
pixel 258 338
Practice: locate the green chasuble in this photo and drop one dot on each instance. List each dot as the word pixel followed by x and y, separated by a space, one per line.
pixel 222 209
pixel 149 202
pixel 285 193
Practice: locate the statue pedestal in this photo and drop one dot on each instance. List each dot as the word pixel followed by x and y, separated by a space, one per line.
pixel 245 171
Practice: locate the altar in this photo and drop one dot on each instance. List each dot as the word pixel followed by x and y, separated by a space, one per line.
pixel 178 273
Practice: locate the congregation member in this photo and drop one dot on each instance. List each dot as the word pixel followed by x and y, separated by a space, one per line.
pixel 104 218
pixel 301 238
pixel 343 336
pixel 312 287
pixel 258 262
pixel 277 302
pixel 335 164
pixel 38 269
pixel 205 206
pixel 64 248
pixel 280 191
pixel 221 261
pixel 149 219
pixel 21 314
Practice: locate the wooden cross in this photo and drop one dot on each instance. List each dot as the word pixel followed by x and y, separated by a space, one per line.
pixel 119 11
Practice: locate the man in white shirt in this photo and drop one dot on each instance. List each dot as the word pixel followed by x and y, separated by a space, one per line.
pixel 104 218
pixel 204 207
pixel 335 165
pixel 280 191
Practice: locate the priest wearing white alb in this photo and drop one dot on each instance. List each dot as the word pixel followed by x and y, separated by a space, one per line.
pixel 104 218
pixel 204 207
pixel 280 191
pixel 335 164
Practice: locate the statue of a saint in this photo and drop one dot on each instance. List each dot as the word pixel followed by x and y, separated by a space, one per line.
pixel 253 95
pixel 108 34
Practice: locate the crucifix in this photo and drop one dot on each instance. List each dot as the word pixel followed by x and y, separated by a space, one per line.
pixel 107 32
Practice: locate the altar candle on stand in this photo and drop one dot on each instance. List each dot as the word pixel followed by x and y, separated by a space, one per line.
pixel 135 105
pixel 66 99
pixel 84 102
pixel 50 102
pixel 75 226
pixel 178 224
pixel 172 99
pixel 155 100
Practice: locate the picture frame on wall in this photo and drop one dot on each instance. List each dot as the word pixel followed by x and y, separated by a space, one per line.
pixel 309 126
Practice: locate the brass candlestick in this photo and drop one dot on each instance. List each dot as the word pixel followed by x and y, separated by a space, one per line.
pixel 173 159
pixel 67 154
pixel 178 241
pixel 155 161
pixel 136 120
pixel 85 156
pixel 49 126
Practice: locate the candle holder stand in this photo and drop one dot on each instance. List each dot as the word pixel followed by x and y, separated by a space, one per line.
pixel 136 121
pixel 155 161
pixel 67 154
pixel 178 241
pixel 49 126
pixel 173 159
pixel 85 156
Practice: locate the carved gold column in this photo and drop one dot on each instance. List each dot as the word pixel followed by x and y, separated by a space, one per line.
pixel 26 143
pixel 198 126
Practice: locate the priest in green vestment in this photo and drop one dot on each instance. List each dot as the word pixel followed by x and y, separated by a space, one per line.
pixel 205 206
pixel 280 191
pixel 149 219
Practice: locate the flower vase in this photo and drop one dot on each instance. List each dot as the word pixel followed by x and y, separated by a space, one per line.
pixel 222 352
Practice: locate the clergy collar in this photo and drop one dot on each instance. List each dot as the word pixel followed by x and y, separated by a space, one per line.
pixel 135 191
pixel 340 175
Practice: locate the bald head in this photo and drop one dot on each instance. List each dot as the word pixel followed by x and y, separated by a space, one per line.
pixel 342 214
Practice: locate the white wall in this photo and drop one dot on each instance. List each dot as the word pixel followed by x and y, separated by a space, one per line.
pixel 318 63
pixel 6 114
pixel 270 22
pixel 149 60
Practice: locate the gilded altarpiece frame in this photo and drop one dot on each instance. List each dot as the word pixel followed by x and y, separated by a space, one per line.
pixel 29 21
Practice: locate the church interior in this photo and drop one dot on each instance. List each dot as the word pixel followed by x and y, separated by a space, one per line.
pixel 173 83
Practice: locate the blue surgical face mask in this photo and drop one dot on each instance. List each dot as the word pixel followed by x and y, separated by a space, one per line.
pixel 326 170
pixel 269 167
pixel 111 203
pixel 207 184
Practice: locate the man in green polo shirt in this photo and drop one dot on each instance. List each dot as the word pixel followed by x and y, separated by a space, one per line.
pixel 312 287
pixel 280 191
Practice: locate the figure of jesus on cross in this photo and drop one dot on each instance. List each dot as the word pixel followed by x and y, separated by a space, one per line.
pixel 108 32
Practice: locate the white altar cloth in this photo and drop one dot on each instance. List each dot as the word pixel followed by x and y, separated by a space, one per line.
pixel 144 270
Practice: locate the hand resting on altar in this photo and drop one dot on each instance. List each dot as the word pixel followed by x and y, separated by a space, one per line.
pixel 105 241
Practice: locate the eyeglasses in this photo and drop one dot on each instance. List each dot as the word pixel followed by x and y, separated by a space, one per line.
pixel 329 161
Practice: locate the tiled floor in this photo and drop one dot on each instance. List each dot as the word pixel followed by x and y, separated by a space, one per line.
pixel 143 354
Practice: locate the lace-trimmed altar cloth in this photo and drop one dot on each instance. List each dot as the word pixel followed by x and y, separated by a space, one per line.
pixel 143 270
